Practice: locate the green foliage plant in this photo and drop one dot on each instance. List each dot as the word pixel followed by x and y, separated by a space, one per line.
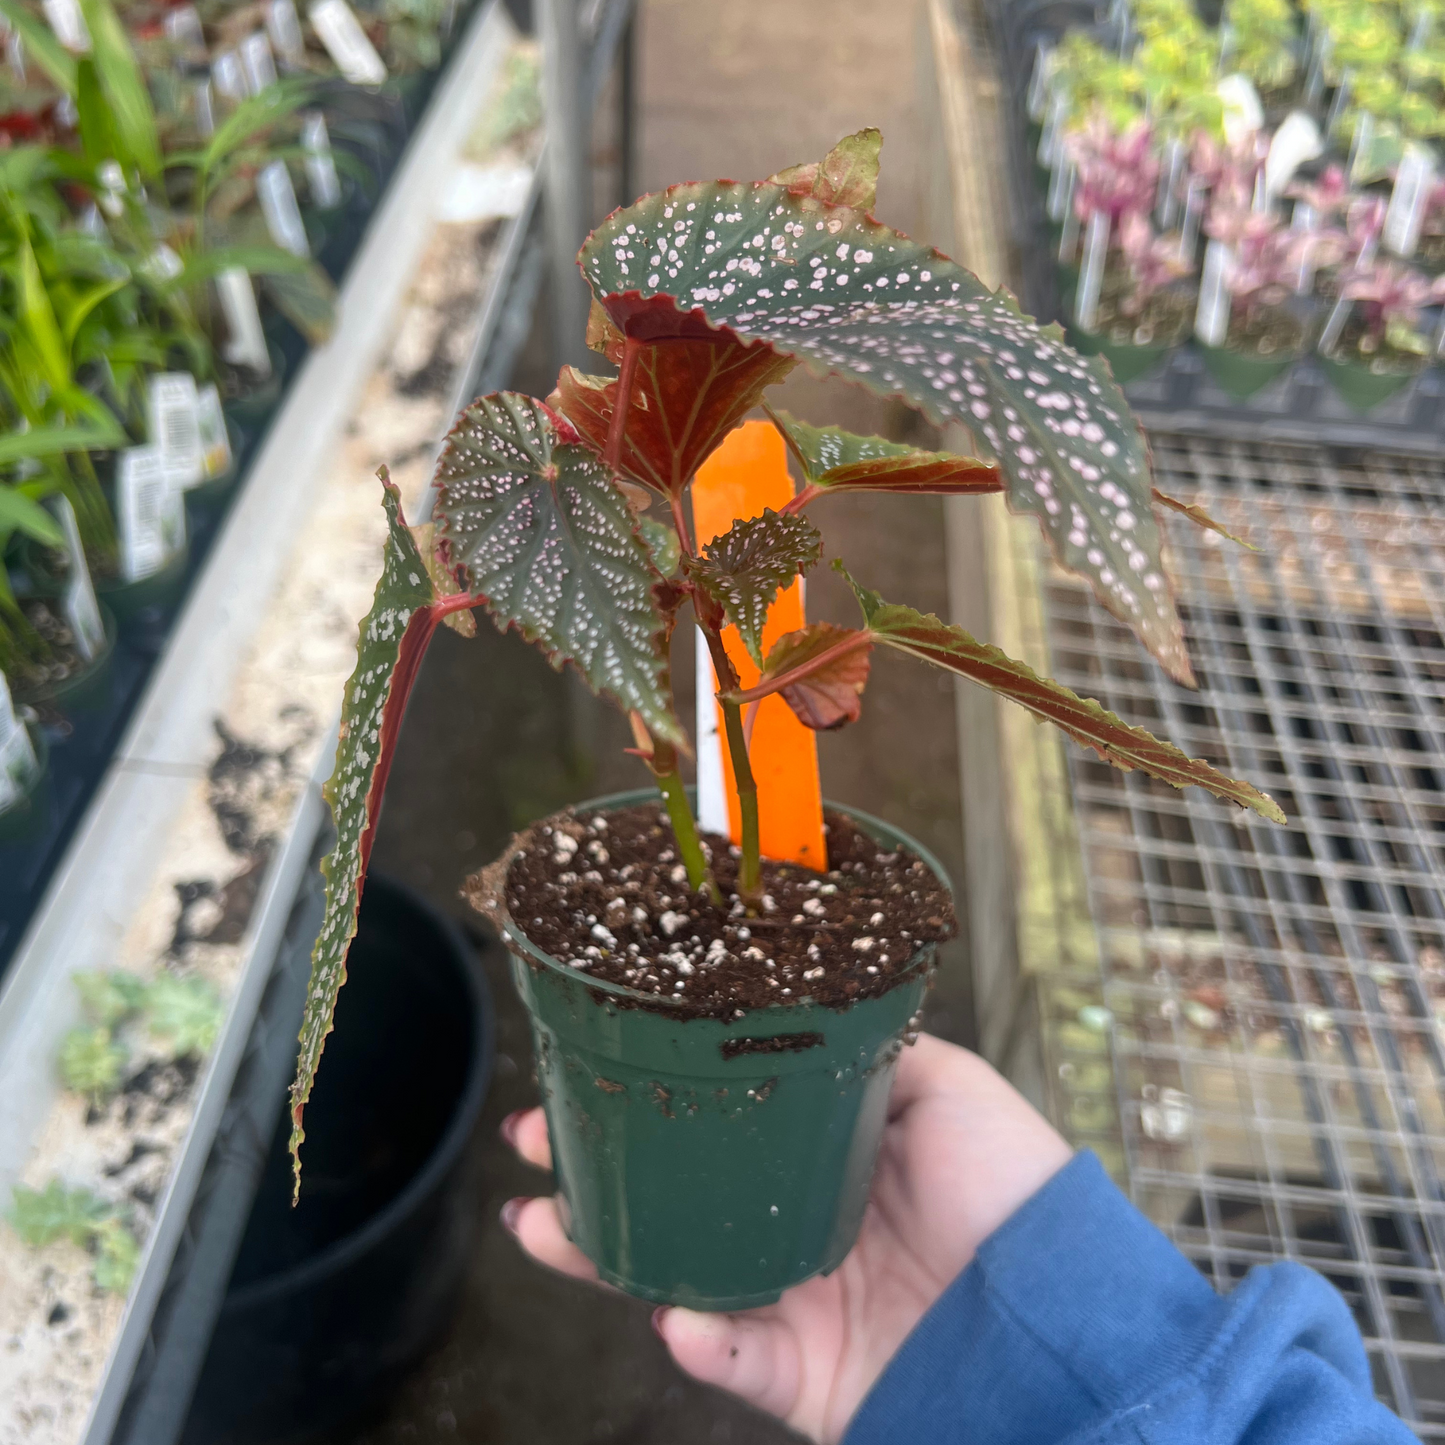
pixel 706 294
pixel 43 1217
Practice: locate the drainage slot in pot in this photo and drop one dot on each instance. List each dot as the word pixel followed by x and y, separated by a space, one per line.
pixel 773 1044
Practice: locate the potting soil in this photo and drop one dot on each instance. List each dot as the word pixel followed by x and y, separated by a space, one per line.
pixel 607 894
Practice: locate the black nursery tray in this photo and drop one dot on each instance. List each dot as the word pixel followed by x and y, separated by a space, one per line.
pixel 1181 395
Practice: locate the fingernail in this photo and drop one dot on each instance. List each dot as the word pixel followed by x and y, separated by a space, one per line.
pixel 658 1315
pixel 511 1213
pixel 508 1127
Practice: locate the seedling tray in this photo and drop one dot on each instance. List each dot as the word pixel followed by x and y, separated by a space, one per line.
pixel 1181 395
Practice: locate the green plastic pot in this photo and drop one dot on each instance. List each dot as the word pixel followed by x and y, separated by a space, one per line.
pixel 163 589
pixel 1240 373
pixel 26 818
pixel 87 691
pixel 1127 362
pixel 1362 388
pixel 712 1164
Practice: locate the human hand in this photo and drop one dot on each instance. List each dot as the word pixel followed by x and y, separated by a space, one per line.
pixel 961 1152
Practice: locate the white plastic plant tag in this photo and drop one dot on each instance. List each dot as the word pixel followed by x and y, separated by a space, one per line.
pixel 18 763
pixel 1051 141
pixel 65 19
pixel 204 110
pixel 245 343
pixel 215 440
pixel 258 62
pixel 228 76
pixel 1243 113
pixel 712 799
pixel 1304 220
pixel 150 512
pixel 321 177
pixel 278 205
pixel 1330 335
pixel 1406 212
pixel 1166 198
pixel 14 53
pixel 163 264
pixel 91 223
pixel 1193 215
pixel 183 28
pixel 1340 101
pixel 1038 93
pixel 283 25
pixel 346 42
pixel 1211 317
pixel 1091 271
pixel 82 614
pixel 175 427
pixel 1061 190
pixel 1296 141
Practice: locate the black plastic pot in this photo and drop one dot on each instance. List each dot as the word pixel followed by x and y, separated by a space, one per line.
pixel 26 819
pixel 330 1303
pixel 87 691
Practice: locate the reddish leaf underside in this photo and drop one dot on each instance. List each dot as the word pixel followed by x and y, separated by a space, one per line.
pixel 744 569
pixel 846 176
pixel 533 523
pixel 1086 721
pixel 393 639
pixel 1199 516
pixel 829 286
pixel 821 671
pixel 836 460
pixel 686 397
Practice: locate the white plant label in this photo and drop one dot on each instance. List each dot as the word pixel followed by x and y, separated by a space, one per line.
pixel 205 111
pixel 228 76
pixel 1166 198
pixel 18 762
pixel 163 264
pixel 278 205
pixel 1051 141
pixel 346 42
pixel 175 427
pixel 284 27
pixel 65 19
pixel 1038 96
pixel 82 613
pixel 215 440
pixel 183 28
pixel 1304 220
pixel 1193 214
pixel 1091 271
pixel 1061 190
pixel 258 62
pixel 712 798
pixel 1296 141
pixel 245 343
pixel 1406 211
pixel 1211 318
pixel 15 53
pixel 321 177
pixel 151 513
pixel 91 223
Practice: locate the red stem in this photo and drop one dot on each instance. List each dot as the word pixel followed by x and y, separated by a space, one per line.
pixel 679 520
pixel 801 499
pixel 617 428
pixel 806 669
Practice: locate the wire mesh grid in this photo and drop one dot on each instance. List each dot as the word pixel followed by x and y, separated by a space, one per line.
pixel 1279 1069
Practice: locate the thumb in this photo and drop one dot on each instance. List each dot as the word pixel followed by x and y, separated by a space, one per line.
pixel 754 1357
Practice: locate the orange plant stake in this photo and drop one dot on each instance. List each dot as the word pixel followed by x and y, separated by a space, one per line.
pixel 745 475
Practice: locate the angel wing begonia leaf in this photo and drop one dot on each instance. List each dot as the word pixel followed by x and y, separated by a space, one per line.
pixel 924 636
pixel 531 521
pixel 743 570
pixel 837 460
pixel 829 286
pixel 394 635
pixel 686 397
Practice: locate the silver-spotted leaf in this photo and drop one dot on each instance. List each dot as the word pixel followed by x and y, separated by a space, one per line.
pixel 532 522
pixel 837 460
pixel 743 570
pixel 392 642
pixel 1083 719
pixel 829 286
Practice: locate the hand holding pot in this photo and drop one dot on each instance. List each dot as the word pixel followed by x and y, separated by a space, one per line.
pixel 962 1151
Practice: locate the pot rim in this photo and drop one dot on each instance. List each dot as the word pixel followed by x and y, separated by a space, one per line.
pixel 55 692
pixel 454 1137
pixel 517 942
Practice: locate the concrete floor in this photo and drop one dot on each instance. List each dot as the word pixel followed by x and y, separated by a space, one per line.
pixel 494 738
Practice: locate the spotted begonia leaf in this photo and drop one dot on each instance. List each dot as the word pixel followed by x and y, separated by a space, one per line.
pixel 840 461
pixel 821 671
pixel 829 286
pixel 1086 721
pixel 743 569
pixel 686 397
pixel 846 176
pixel 393 640
pixel 1199 517
pixel 530 521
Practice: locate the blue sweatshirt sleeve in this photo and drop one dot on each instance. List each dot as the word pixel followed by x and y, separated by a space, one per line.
pixel 1078 1321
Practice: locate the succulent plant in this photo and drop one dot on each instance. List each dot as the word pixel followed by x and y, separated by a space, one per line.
pixel 43 1216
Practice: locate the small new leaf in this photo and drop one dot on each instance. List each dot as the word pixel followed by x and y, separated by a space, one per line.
pixel 1197 514
pixel 91 1062
pixel 821 671
pixel 846 176
pixel 840 461
pixel 532 522
pixel 41 1216
pixel 925 636
pixel 108 997
pixel 117 1252
pixel 743 570
pixel 185 1014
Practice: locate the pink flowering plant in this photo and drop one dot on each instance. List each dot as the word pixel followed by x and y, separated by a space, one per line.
pixel 1389 300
